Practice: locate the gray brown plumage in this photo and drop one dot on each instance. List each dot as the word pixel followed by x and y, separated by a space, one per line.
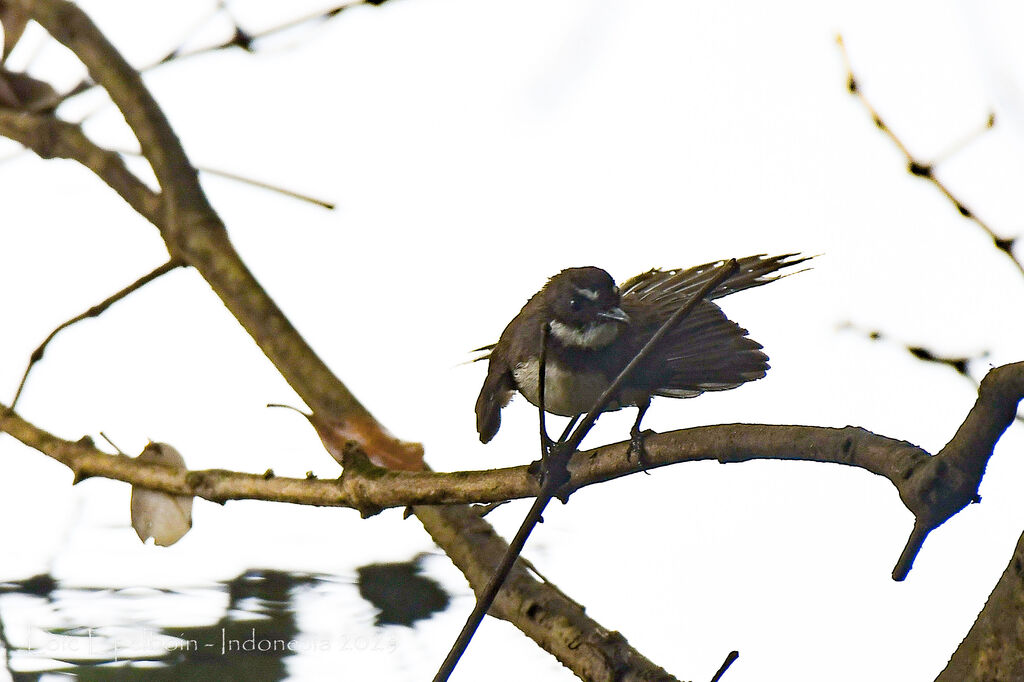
pixel 597 328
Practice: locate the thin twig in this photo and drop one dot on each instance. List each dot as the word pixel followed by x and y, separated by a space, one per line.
pixel 323 203
pixel 965 141
pixel 544 579
pixel 556 470
pixel 112 444
pixel 924 169
pixel 240 38
pixel 959 364
pixel 729 660
pixel 94 311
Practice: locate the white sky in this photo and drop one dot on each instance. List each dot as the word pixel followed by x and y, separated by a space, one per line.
pixel 474 149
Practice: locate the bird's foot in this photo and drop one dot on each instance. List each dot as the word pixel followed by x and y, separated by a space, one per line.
pixel 636 445
pixel 553 470
pixel 547 446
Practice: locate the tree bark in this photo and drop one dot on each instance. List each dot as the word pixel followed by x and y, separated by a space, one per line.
pixel 993 651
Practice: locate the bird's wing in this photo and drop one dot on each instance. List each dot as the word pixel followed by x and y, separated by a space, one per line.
pixel 706 352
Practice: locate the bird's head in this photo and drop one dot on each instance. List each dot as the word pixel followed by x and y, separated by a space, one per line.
pixel 583 305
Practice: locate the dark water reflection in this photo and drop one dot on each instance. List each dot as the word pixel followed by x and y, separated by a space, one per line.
pixel 52 632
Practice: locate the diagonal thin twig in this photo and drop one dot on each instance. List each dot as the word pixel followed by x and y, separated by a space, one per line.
pixel 924 169
pixel 729 660
pixel 294 194
pixel 94 311
pixel 240 38
pixel 556 472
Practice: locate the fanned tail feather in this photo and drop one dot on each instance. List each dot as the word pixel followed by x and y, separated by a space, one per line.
pixel 659 287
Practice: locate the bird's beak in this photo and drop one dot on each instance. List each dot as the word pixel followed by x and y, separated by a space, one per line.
pixel 616 313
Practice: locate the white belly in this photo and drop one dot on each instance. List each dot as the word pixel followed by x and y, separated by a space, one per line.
pixel 565 393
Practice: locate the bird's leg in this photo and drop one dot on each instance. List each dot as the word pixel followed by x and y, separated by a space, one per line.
pixel 546 444
pixel 553 461
pixel 636 436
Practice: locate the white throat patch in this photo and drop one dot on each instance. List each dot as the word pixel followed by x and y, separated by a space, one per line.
pixel 593 335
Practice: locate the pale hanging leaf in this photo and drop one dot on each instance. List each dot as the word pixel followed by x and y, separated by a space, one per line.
pixel 13 19
pixel 161 516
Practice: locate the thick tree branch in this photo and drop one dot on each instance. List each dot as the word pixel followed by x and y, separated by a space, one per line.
pixel 934 488
pixel 942 485
pixel 539 610
pixel 994 648
pixel 160 145
pixel 370 489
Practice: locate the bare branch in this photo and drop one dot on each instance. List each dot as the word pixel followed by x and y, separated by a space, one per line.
pixel 94 311
pixel 923 169
pixel 194 232
pixel 240 38
pixel 729 660
pixel 960 364
pixel 50 138
pixel 934 488
pixel 540 611
pixel 161 147
pixel 942 485
pixel 291 193
pixel 994 647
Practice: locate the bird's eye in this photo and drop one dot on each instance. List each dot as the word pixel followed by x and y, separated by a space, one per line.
pixel 575 304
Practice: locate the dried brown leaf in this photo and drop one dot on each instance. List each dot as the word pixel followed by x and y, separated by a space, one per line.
pixel 382 448
pixel 372 439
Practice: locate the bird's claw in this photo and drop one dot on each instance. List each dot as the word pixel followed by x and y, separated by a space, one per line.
pixel 553 469
pixel 547 446
pixel 636 445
